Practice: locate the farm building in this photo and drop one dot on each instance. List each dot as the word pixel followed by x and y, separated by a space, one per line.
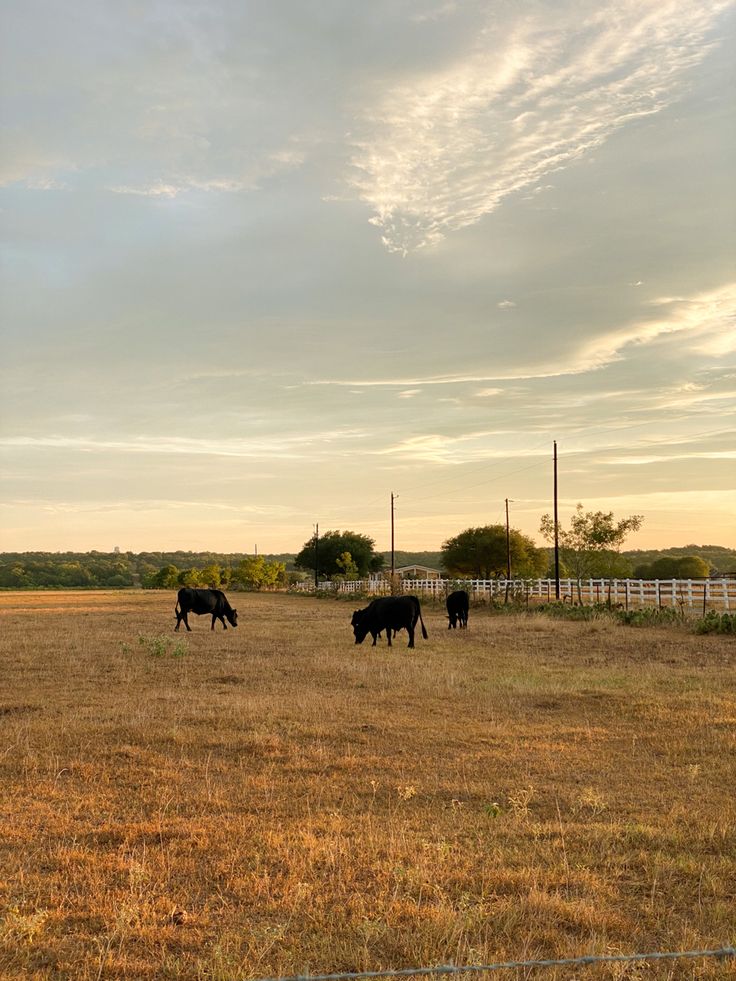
pixel 418 572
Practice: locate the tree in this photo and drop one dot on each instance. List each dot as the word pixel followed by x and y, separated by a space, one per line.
pixel 348 568
pixel 481 554
pixel 692 567
pixel 255 573
pixel 589 547
pixel 673 567
pixel 165 578
pixel 210 576
pixel 332 545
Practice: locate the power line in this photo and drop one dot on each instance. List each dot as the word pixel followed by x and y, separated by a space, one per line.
pixel 449 969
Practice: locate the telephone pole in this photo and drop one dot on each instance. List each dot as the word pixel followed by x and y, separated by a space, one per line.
pixel 508 553
pixel 557 541
pixel 316 555
pixel 392 540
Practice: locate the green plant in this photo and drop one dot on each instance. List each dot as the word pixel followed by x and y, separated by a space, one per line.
pixel 716 623
pixel 162 646
pixel 650 616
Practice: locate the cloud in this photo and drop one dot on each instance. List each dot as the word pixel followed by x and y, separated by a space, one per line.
pixel 441 150
pixel 708 319
pixel 273 446
pixel 506 305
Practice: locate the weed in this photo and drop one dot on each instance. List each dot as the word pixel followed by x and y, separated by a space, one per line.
pixel 162 646
pixel 519 802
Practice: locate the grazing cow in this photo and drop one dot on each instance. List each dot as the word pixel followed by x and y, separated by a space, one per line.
pixel 457 604
pixel 388 613
pixel 201 601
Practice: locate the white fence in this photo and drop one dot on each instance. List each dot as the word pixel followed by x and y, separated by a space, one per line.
pixel 693 594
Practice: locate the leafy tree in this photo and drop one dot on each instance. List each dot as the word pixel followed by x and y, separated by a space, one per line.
pixel 672 567
pixel 333 545
pixel 255 572
pixel 692 567
pixel 165 578
pixel 210 576
pixel 481 554
pixel 348 568
pixel 589 547
pixel 191 577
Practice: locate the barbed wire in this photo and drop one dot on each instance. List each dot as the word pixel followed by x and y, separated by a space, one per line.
pixel 448 969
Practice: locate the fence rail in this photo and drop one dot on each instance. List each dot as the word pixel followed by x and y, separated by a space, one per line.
pixel 690 594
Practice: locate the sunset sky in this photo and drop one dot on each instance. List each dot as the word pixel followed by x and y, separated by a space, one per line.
pixel 266 262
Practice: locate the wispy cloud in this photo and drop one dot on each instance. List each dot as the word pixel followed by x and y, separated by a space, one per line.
pixel 707 319
pixel 439 152
pixel 276 446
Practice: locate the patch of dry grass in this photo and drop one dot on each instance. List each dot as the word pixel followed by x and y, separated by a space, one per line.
pixel 273 800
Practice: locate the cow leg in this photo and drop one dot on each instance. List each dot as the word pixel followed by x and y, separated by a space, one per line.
pixel 388 635
pixel 410 628
pixel 184 616
pixel 213 622
pixel 375 638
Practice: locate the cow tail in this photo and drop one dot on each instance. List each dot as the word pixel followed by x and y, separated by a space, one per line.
pixel 424 629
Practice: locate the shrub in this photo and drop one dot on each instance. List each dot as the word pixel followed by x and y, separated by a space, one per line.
pixel 716 623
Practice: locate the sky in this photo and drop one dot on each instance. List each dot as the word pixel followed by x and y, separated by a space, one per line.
pixel 265 263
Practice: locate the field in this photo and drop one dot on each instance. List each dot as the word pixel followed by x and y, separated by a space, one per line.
pixel 274 800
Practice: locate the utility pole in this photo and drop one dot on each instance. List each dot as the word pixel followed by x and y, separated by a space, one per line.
pixel 508 553
pixel 316 555
pixel 392 540
pixel 557 541
pixel 256 547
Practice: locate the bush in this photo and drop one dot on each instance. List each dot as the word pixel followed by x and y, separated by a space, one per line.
pixel 650 616
pixel 716 623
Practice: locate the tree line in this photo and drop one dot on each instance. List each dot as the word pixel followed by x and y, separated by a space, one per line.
pixel 590 546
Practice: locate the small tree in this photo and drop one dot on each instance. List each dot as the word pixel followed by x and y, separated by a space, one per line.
pixel 348 568
pixel 211 576
pixel 590 545
pixel 165 578
pixel 255 573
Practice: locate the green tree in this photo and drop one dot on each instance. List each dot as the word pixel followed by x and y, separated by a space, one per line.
pixel 692 567
pixel 255 573
pixel 590 546
pixel 332 545
pixel 674 567
pixel 481 554
pixel 210 576
pixel 166 578
pixel 191 577
pixel 348 568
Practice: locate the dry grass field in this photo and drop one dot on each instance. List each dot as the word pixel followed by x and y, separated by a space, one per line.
pixel 275 800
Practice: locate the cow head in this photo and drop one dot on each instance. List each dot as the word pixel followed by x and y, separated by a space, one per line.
pixel 232 616
pixel 359 629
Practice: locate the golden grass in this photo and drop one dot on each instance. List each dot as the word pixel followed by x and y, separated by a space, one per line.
pixel 273 800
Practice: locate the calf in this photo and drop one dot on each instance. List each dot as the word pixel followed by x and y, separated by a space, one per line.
pixel 458 604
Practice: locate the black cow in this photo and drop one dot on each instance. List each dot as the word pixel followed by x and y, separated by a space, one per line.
pixel 458 604
pixel 388 613
pixel 201 601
